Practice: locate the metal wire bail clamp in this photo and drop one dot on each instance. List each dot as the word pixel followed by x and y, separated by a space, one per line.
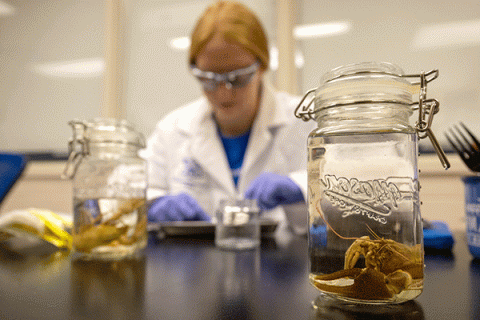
pixel 427 108
pixel 77 148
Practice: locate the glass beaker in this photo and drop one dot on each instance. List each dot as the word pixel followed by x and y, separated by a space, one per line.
pixel 365 227
pixel 238 226
pixel 109 189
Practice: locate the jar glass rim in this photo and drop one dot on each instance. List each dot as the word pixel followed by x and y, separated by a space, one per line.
pixel 113 131
pixel 368 82
pixel 364 69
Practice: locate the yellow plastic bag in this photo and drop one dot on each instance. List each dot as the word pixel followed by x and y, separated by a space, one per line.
pixel 41 223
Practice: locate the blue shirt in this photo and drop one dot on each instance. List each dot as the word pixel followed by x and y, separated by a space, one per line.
pixel 235 148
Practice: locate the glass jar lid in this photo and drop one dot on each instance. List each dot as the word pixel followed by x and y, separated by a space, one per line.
pixel 376 82
pixel 368 82
pixel 100 132
pixel 108 130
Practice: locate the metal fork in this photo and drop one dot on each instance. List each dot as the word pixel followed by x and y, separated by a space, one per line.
pixel 466 145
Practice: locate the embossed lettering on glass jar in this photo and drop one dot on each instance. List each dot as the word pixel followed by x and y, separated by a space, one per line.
pixel 109 189
pixel 365 228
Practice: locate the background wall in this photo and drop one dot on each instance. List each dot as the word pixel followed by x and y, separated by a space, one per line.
pixel 417 35
pixel 52 65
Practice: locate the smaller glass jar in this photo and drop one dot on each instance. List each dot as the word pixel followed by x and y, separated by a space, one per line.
pixel 109 189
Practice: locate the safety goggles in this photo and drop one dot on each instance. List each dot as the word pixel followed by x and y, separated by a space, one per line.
pixel 233 79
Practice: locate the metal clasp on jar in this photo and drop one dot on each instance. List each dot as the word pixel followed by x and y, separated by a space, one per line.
pixel 427 108
pixel 77 148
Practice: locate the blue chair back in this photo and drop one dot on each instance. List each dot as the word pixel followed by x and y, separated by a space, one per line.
pixel 11 168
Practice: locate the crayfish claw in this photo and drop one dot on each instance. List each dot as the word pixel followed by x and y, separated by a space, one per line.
pixel 398 281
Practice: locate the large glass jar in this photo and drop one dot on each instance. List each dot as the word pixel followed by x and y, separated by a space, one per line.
pixel 109 189
pixel 365 227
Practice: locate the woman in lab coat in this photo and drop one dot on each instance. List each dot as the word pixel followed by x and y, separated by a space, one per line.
pixel 240 139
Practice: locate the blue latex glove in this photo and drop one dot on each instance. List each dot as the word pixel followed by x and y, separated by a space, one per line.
pixel 271 190
pixel 181 207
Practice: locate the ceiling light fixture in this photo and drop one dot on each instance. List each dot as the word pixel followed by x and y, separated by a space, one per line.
pixel 83 68
pixel 457 33
pixel 320 30
pixel 6 9
pixel 182 43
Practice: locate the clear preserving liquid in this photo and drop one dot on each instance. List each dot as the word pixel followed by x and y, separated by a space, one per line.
pixel 365 235
pixel 109 228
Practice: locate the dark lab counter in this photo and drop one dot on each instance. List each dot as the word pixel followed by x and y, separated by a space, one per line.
pixel 180 278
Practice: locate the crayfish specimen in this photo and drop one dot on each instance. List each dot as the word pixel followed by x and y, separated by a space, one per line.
pixel 121 223
pixel 393 271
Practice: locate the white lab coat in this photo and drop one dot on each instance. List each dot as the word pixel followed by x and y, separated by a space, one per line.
pixel 185 154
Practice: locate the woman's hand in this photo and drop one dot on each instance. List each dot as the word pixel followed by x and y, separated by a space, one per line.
pixel 271 190
pixel 181 207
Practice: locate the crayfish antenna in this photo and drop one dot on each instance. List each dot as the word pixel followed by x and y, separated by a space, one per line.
pixel 374 235
pixel 329 226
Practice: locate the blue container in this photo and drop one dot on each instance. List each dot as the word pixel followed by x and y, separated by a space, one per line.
pixel 472 210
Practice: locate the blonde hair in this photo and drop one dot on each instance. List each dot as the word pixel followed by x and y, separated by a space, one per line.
pixel 235 23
